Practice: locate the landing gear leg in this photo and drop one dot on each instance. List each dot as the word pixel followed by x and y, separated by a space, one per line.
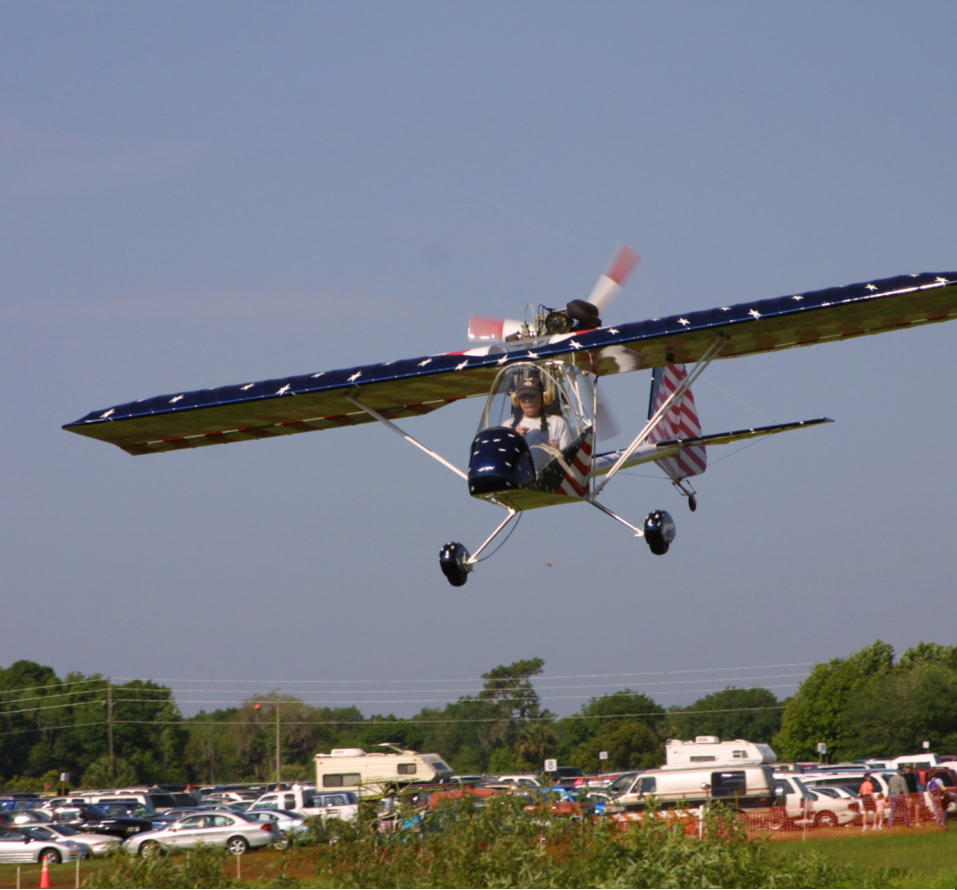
pixel 658 531
pixel 456 562
pixel 688 492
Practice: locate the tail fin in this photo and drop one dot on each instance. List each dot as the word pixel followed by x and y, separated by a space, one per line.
pixel 681 422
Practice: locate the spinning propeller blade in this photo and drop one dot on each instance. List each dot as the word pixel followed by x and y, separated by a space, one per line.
pixel 495 329
pixel 610 282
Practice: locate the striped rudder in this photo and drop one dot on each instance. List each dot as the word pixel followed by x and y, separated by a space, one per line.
pixel 681 422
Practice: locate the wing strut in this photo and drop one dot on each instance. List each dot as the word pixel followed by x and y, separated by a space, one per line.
pixel 375 415
pixel 709 356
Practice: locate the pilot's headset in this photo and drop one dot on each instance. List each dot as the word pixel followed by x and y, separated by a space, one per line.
pixel 529 378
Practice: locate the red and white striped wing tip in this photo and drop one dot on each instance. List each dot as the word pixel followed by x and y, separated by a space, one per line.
pixel 611 281
pixel 492 329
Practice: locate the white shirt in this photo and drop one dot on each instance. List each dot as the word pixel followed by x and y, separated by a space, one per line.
pixel 557 430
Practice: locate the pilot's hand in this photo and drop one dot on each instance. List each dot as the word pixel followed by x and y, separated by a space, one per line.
pixel 521 430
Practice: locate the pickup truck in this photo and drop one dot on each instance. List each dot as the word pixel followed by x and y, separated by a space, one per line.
pixel 309 802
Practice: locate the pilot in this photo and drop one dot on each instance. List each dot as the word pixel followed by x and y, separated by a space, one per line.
pixel 532 419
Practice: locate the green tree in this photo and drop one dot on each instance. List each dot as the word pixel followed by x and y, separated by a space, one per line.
pixel 753 714
pixel 894 713
pixel 816 713
pixel 598 724
pixel 29 699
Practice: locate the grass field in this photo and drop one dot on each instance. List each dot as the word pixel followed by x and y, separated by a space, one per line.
pixel 905 859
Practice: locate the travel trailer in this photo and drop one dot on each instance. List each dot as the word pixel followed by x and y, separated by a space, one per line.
pixel 367 773
pixel 706 750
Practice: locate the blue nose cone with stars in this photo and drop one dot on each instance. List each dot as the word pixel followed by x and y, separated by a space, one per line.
pixel 500 460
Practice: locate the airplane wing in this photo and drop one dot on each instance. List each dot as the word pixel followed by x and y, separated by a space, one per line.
pixel 654 451
pixel 408 387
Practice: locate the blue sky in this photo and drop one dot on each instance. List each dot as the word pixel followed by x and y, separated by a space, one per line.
pixel 200 194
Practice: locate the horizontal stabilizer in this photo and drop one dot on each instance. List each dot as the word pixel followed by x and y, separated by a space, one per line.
pixel 658 450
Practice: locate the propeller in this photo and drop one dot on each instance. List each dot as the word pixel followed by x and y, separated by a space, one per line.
pixel 577 315
pixel 611 281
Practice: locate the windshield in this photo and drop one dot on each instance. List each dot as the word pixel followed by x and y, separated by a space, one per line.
pixel 557 390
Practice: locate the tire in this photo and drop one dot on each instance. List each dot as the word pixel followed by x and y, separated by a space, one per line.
pixel 237 845
pixel 151 848
pixel 50 853
pixel 825 819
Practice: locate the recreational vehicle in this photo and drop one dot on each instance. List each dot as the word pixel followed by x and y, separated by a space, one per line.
pixel 365 772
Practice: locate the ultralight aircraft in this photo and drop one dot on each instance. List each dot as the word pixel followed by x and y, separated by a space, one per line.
pixel 536 443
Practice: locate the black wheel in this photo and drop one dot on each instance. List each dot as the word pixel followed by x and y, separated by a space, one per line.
pixel 237 845
pixel 151 848
pixel 825 819
pixel 50 853
pixel 452 560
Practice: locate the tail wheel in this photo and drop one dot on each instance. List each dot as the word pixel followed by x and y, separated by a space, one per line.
pixel 237 845
pixel 50 854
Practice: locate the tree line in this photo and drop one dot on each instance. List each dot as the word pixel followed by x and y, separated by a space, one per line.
pixel 104 734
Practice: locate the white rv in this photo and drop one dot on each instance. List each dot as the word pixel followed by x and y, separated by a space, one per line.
pixel 707 750
pixel 365 772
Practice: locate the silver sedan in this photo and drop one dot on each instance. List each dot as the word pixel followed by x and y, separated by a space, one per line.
pixel 25 845
pixel 99 844
pixel 214 827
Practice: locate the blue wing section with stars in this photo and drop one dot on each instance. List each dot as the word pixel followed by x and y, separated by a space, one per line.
pixel 408 387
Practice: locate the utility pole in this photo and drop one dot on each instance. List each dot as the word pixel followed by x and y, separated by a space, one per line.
pixel 109 727
pixel 278 746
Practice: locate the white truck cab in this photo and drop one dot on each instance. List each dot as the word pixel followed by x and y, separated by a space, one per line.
pixel 307 801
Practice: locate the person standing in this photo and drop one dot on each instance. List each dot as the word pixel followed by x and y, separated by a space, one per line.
pixel 914 795
pixel 880 808
pixel 897 786
pixel 866 793
pixel 935 790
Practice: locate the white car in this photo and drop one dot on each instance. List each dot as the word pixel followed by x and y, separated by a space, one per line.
pixel 25 845
pixel 99 844
pixel 235 831
pixel 832 806
pixel 286 821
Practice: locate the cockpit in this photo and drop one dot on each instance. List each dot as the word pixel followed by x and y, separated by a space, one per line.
pixel 537 417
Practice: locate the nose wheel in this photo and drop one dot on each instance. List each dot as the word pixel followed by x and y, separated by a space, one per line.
pixel 454 562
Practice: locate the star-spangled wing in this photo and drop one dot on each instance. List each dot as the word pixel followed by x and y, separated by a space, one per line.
pixel 670 448
pixel 415 386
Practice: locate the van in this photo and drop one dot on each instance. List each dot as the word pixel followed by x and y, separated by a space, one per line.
pixel 743 787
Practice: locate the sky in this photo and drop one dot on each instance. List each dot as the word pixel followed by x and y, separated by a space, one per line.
pixel 194 195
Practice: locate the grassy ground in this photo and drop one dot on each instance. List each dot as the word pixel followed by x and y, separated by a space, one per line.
pixel 901 859
pixel 905 858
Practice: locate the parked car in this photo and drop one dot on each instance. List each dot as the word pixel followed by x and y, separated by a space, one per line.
pixel 88 817
pixel 850 780
pixel 24 817
pixel 288 822
pixel 25 845
pixel 309 802
pixel 831 807
pixel 235 831
pixel 949 779
pixel 99 844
